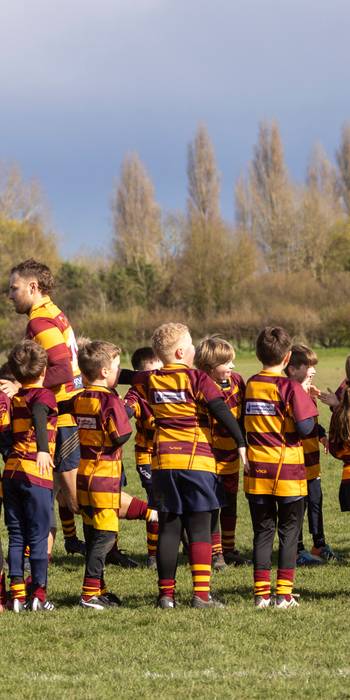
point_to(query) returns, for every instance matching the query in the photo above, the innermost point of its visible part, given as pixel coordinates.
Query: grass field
(238, 652)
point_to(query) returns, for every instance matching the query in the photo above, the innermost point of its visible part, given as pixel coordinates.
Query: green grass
(138, 651)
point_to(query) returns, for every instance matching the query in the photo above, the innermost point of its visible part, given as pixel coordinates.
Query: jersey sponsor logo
(260, 408)
(169, 397)
(78, 382)
(86, 422)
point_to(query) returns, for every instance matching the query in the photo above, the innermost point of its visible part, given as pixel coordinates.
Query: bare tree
(136, 217)
(343, 161)
(203, 179)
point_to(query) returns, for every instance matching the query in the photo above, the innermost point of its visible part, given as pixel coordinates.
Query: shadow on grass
(68, 562)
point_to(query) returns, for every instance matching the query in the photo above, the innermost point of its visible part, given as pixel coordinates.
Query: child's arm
(223, 415)
(119, 428)
(126, 376)
(322, 436)
(40, 412)
(329, 397)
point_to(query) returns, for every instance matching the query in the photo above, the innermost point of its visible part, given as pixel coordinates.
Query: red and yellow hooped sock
(199, 555)
(262, 582)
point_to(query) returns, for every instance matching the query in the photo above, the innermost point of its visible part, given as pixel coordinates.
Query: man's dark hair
(142, 355)
(27, 360)
(32, 268)
(272, 345)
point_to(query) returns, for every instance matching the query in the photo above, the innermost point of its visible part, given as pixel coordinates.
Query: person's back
(178, 396)
(273, 403)
(103, 427)
(278, 413)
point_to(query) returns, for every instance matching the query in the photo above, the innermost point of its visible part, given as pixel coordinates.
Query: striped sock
(67, 522)
(200, 560)
(228, 530)
(284, 583)
(39, 592)
(91, 587)
(18, 589)
(166, 587)
(262, 582)
(216, 546)
(137, 509)
(103, 586)
(2, 589)
(152, 538)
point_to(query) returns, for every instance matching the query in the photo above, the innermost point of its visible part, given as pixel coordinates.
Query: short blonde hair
(166, 337)
(213, 351)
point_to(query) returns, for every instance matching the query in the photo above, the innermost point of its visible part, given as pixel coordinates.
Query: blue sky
(84, 83)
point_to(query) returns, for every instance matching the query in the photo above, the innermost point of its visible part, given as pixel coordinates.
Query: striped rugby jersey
(50, 328)
(311, 447)
(178, 398)
(276, 459)
(225, 448)
(21, 463)
(101, 418)
(340, 450)
(5, 425)
(144, 425)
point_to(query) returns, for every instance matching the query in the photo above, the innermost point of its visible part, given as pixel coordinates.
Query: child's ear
(287, 358)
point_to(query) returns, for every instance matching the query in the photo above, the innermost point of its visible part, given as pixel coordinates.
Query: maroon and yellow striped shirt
(101, 418)
(311, 447)
(5, 424)
(339, 450)
(21, 463)
(273, 403)
(225, 448)
(144, 425)
(50, 328)
(178, 398)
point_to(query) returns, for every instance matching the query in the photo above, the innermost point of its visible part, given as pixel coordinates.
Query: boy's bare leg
(68, 484)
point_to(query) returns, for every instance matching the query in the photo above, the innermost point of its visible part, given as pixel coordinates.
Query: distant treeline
(285, 260)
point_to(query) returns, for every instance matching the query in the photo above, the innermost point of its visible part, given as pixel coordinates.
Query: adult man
(30, 285)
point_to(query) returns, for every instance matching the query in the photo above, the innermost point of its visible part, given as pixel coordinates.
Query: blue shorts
(145, 473)
(186, 491)
(123, 479)
(67, 452)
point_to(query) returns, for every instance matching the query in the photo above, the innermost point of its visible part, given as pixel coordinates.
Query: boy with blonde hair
(186, 489)
(215, 355)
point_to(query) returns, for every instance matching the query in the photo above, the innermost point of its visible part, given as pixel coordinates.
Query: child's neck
(99, 381)
(276, 369)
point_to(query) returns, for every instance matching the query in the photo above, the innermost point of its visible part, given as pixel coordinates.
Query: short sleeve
(301, 404)
(117, 419)
(44, 396)
(206, 389)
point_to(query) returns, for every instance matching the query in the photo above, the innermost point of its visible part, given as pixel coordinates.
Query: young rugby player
(5, 446)
(339, 435)
(301, 368)
(278, 414)
(28, 475)
(103, 427)
(31, 283)
(215, 356)
(186, 489)
(144, 359)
